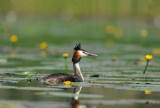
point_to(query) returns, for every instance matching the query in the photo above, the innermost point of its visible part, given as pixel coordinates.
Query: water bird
(55, 79)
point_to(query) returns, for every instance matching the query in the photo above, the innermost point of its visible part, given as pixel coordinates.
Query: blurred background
(36, 35)
(71, 21)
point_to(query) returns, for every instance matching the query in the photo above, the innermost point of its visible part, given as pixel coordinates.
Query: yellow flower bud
(156, 51)
(67, 82)
(114, 58)
(110, 29)
(144, 33)
(148, 57)
(43, 45)
(65, 55)
(14, 38)
(118, 33)
(147, 92)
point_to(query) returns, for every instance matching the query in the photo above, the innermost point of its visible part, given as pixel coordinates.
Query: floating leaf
(95, 75)
(3, 61)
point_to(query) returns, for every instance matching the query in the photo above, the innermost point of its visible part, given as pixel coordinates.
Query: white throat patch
(82, 54)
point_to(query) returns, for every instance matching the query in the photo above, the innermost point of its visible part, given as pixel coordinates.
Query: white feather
(82, 54)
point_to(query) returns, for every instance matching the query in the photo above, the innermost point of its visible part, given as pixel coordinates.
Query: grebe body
(56, 78)
(61, 77)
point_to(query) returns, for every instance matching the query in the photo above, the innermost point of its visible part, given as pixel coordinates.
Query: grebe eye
(84, 52)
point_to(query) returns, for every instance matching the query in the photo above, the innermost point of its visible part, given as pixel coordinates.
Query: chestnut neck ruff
(76, 59)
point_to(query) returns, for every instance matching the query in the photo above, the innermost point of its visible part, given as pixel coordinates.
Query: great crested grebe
(56, 78)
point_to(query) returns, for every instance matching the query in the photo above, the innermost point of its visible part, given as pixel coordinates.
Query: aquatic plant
(95, 75)
(30, 74)
(148, 58)
(110, 29)
(118, 32)
(114, 58)
(43, 45)
(13, 40)
(144, 33)
(147, 92)
(65, 56)
(156, 51)
(67, 82)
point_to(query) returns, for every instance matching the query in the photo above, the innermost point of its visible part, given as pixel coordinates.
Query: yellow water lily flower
(147, 92)
(110, 29)
(144, 33)
(43, 45)
(148, 57)
(118, 32)
(156, 51)
(65, 55)
(14, 38)
(114, 58)
(67, 82)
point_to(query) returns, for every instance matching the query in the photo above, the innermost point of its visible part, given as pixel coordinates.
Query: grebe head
(78, 53)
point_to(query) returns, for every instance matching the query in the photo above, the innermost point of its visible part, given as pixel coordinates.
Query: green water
(121, 83)
(120, 64)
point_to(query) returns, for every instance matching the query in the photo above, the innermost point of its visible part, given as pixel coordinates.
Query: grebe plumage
(56, 78)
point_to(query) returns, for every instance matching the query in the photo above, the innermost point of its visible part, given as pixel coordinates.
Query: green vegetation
(95, 75)
(37, 35)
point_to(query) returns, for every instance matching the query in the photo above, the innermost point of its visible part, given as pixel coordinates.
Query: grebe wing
(61, 77)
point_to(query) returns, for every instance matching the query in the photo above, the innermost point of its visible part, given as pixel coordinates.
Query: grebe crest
(55, 79)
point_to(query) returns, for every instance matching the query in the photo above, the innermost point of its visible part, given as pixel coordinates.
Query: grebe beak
(85, 53)
(89, 54)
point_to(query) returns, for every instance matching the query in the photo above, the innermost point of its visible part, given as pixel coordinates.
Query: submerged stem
(29, 78)
(146, 67)
(13, 46)
(66, 65)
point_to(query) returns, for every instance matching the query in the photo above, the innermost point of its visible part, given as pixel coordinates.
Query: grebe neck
(77, 70)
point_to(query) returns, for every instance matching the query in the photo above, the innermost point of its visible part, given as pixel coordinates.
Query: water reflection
(43, 53)
(13, 53)
(53, 83)
(75, 100)
(75, 103)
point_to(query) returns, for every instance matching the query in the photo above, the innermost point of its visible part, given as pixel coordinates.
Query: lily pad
(3, 60)
(95, 75)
